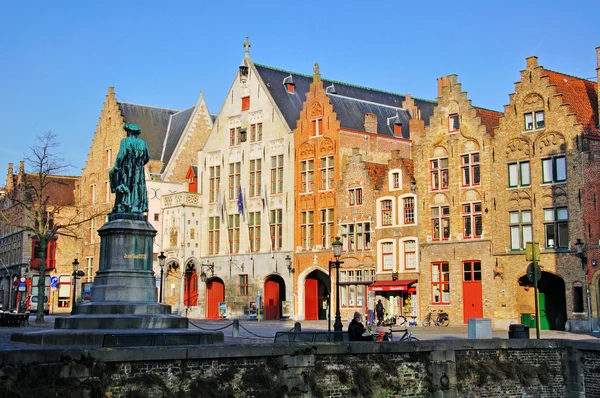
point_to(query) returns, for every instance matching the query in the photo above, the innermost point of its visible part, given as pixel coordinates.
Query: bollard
(297, 327)
(236, 328)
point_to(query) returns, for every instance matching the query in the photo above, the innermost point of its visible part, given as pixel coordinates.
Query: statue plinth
(124, 294)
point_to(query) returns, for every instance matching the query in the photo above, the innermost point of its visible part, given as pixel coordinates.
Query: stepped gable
(290, 104)
(489, 118)
(153, 122)
(377, 173)
(58, 189)
(176, 127)
(581, 95)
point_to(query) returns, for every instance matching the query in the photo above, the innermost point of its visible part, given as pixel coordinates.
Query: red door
(472, 300)
(190, 292)
(215, 293)
(311, 299)
(272, 302)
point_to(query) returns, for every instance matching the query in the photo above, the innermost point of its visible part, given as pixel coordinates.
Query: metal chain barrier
(254, 334)
(211, 330)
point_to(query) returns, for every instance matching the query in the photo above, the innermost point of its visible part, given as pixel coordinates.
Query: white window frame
(534, 120)
(379, 220)
(401, 217)
(394, 255)
(393, 175)
(519, 229)
(402, 243)
(327, 173)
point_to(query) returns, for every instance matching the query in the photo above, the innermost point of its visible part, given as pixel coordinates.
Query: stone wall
(484, 368)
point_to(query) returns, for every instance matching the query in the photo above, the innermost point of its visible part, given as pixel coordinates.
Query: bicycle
(439, 319)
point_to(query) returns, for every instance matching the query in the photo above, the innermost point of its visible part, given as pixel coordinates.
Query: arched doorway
(190, 292)
(215, 294)
(316, 294)
(274, 295)
(551, 301)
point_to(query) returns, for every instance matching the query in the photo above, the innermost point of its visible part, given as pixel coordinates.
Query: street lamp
(288, 262)
(161, 263)
(581, 254)
(210, 266)
(337, 253)
(77, 273)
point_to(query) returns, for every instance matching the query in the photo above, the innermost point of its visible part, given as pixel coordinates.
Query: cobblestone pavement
(253, 332)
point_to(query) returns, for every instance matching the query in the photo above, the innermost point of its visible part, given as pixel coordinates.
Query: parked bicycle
(439, 318)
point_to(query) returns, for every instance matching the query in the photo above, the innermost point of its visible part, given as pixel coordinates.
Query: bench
(311, 337)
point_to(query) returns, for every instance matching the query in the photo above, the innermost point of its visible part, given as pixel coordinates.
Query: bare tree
(32, 208)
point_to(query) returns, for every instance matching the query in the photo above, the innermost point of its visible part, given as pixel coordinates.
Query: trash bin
(518, 331)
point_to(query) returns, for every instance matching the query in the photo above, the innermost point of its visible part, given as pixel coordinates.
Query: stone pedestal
(124, 294)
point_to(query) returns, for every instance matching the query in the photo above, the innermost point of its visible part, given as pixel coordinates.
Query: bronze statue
(127, 179)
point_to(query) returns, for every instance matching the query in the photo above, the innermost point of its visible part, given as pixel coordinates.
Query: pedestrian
(379, 311)
(356, 329)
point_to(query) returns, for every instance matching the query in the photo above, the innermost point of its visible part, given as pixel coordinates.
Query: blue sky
(57, 58)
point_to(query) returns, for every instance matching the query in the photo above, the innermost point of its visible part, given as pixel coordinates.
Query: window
(64, 291)
(290, 87)
(396, 180)
(234, 136)
(520, 229)
(327, 172)
(234, 178)
(317, 127)
(92, 230)
(471, 271)
(254, 230)
(556, 226)
(472, 226)
(398, 129)
(578, 297)
(534, 120)
(106, 192)
(308, 176)
(256, 132)
(255, 177)
(470, 170)
(245, 103)
(213, 235)
(356, 236)
(277, 174)
(409, 210)
(352, 296)
(89, 268)
(214, 183)
(93, 194)
(440, 220)
(440, 283)
(156, 216)
(355, 196)
(410, 254)
(453, 123)
(234, 233)
(387, 256)
(326, 227)
(243, 284)
(386, 212)
(108, 154)
(306, 229)
(439, 174)
(276, 225)
(554, 170)
(519, 174)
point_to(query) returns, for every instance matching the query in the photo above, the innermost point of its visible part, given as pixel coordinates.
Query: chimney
(598, 82)
(21, 175)
(442, 82)
(10, 182)
(532, 62)
(371, 123)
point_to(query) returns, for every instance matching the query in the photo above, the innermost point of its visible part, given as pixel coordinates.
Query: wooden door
(311, 299)
(544, 324)
(472, 305)
(272, 301)
(215, 293)
(190, 292)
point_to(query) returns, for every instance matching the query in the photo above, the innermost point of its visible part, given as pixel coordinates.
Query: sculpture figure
(127, 178)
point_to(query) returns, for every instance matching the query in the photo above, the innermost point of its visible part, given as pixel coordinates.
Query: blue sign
(54, 281)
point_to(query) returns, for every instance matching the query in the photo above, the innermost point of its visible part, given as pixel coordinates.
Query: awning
(391, 286)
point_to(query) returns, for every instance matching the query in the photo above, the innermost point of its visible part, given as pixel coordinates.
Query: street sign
(534, 269)
(23, 279)
(54, 280)
(532, 251)
(16, 283)
(22, 287)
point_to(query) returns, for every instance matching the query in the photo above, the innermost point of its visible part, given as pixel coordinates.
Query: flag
(240, 202)
(219, 206)
(265, 200)
(223, 210)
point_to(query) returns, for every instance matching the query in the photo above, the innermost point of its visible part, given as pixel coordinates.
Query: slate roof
(582, 97)
(176, 126)
(377, 173)
(488, 118)
(290, 104)
(153, 122)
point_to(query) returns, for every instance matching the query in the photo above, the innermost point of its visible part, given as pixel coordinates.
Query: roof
(176, 126)
(489, 118)
(153, 122)
(582, 97)
(377, 173)
(290, 104)
(58, 189)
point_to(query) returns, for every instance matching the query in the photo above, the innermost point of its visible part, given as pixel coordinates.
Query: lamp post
(210, 266)
(161, 263)
(337, 253)
(579, 245)
(288, 262)
(76, 273)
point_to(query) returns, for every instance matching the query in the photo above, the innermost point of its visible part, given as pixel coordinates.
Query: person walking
(379, 311)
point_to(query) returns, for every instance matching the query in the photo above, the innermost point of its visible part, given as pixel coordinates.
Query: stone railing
(181, 199)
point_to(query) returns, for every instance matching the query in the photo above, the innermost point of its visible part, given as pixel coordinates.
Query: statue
(127, 179)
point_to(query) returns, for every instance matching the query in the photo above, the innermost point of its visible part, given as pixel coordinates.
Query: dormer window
(534, 120)
(290, 87)
(453, 123)
(245, 103)
(398, 129)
